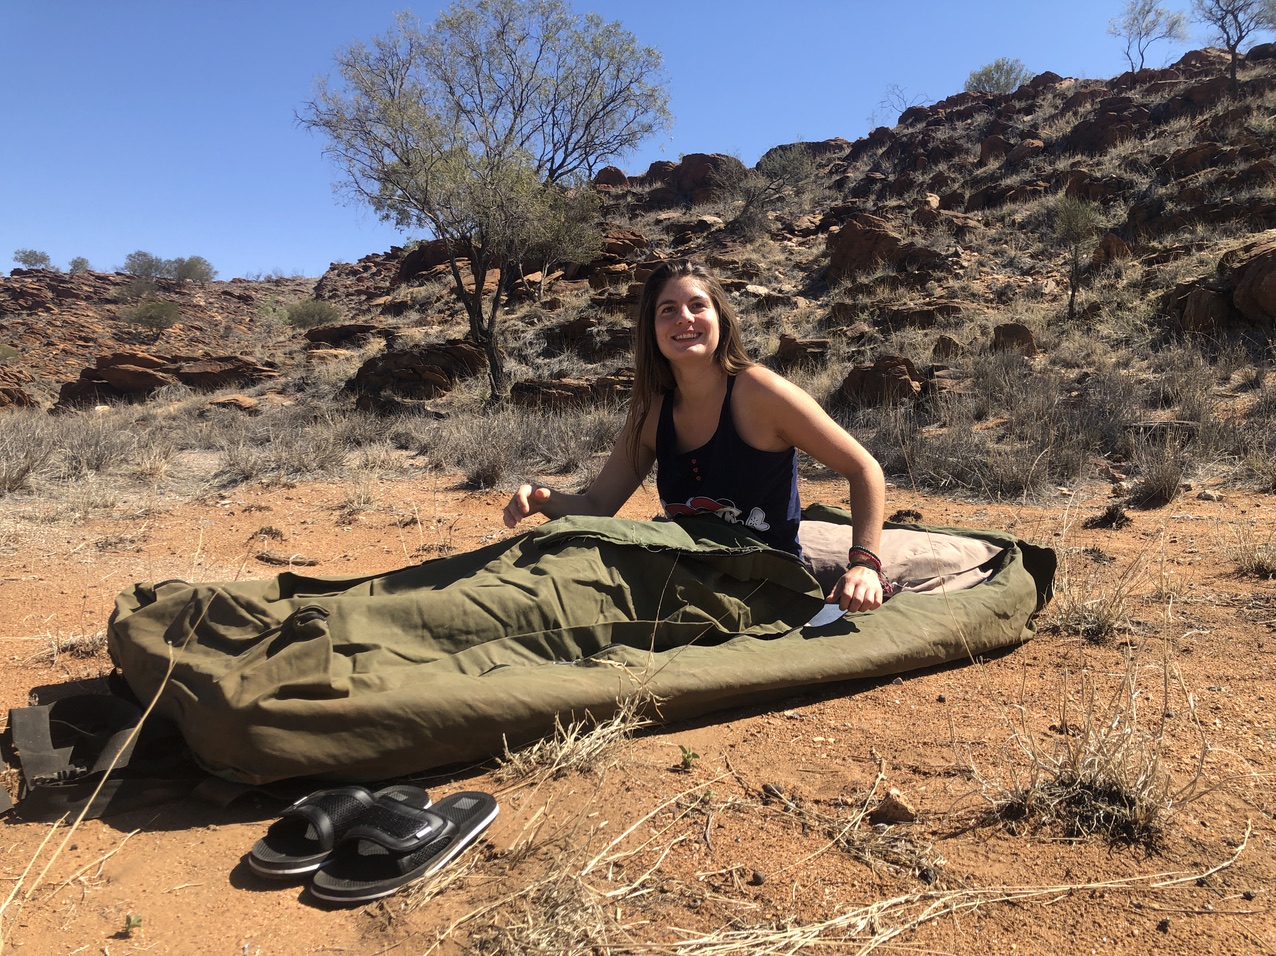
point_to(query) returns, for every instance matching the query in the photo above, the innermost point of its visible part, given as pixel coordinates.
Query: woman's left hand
(860, 589)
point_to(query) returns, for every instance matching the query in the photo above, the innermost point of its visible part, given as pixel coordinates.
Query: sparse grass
(1101, 767)
(78, 646)
(584, 746)
(1252, 552)
(27, 446)
(1094, 600)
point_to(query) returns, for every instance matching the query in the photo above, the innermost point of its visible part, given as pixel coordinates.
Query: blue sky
(168, 125)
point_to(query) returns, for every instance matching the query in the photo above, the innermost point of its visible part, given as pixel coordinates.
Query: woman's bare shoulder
(757, 383)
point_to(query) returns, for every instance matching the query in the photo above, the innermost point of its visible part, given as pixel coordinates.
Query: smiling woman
(723, 434)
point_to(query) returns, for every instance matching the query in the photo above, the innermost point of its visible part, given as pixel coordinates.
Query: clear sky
(169, 125)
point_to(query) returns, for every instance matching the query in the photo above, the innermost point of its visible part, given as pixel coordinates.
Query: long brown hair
(653, 375)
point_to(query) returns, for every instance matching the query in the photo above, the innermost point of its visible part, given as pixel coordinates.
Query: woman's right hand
(528, 500)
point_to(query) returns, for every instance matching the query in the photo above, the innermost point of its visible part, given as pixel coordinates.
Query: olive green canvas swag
(366, 678)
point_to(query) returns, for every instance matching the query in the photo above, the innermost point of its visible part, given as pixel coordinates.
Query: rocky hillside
(943, 219)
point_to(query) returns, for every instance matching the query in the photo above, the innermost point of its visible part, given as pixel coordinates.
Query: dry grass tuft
(1093, 600)
(79, 646)
(583, 746)
(1101, 768)
(1253, 554)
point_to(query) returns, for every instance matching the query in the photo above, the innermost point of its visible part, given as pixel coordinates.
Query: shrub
(79, 264)
(1002, 75)
(309, 313)
(1162, 465)
(153, 315)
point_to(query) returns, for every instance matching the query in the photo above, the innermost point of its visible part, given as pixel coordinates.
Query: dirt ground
(761, 844)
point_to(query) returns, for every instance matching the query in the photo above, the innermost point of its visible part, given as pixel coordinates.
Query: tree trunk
(491, 340)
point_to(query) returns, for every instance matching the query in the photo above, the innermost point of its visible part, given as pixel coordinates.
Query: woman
(724, 432)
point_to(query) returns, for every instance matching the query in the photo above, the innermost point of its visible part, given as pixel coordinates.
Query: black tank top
(729, 478)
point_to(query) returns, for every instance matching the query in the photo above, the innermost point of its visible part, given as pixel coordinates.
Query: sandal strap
(397, 827)
(331, 813)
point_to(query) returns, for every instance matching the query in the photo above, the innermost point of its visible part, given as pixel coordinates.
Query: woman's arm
(780, 414)
(615, 484)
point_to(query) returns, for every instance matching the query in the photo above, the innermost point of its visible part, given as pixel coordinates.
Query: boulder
(1251, 272)
(422, 257)
(623, 241)
(223, 371)
(866, 242)
(890, 379)
(611, 177)
(12, 396)
(417, 372)
(1025, 151)
(793, 352)
(1111, 248)
(1014, 337)
(340, 333)
(568, 392)
(697, 177)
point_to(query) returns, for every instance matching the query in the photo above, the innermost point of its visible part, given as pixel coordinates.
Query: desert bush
(32, 259)
(1161, 463)
(153, 315)
(7, 352)
(192, 269)
(309, 313)
(90, 444)
(136, 289)
(28, 443)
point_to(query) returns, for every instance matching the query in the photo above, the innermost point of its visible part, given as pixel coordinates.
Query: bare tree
(784, 174)
(461, 128)
(1144, 22)
(1233, 21)
(895, 102)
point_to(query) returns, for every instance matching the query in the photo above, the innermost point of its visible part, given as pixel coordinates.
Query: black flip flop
(395, 843)
(305, 834)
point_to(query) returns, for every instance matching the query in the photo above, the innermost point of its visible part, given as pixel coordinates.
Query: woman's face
(687, 324)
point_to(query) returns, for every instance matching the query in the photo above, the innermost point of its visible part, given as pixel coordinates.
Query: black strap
(66, 749)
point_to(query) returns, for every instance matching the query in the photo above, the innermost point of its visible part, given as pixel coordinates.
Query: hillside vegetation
(999, 295)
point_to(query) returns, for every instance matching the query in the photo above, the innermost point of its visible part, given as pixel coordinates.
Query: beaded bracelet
(869, 559)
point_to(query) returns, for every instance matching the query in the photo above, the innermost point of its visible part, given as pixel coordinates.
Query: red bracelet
(869, 559)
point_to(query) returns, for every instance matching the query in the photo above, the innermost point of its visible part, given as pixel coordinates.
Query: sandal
(395, 843)
(305, 834)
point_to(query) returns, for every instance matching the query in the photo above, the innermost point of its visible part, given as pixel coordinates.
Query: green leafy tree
(144, 265)
(192, 269)
(79, 264)
(1232, 22)
(565, 230)
(1144, 22)
(1075, 224)
(460, 128)
(1002, 75)
(32, 259)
